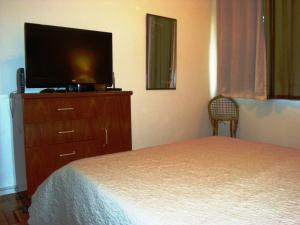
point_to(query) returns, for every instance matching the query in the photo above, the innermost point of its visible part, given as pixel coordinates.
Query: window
(258, 48)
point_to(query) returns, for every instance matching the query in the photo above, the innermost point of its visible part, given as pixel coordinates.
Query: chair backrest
(223, 108)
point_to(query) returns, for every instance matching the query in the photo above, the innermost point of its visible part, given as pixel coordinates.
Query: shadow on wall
(270, 121)
(8, 74)
(268, 107)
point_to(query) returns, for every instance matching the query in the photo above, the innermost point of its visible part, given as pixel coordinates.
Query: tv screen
(60, 56)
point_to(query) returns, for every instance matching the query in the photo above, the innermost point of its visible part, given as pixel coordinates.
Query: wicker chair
(223, 109)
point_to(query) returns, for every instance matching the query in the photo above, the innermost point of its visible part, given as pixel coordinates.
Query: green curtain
(283, 47)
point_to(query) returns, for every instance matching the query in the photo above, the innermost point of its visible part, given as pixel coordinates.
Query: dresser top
(74, 94)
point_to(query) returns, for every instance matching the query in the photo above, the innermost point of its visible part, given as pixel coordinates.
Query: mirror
(161, 52)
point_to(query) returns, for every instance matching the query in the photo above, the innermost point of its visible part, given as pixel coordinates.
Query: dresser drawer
(54, 109)
(42, 161)
(49, 133)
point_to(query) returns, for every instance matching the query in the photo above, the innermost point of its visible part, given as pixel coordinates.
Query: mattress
(209, 181)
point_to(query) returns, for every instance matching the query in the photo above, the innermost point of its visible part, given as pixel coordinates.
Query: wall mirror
(161, 52)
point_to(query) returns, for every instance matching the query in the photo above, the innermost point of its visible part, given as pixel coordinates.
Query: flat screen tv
(59, 56)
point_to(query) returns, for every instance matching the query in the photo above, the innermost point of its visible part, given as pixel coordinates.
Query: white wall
(157, 116)
(7, 177)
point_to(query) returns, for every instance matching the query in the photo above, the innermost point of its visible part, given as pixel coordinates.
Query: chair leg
(231, 128)
(235, 123)
(215, 127)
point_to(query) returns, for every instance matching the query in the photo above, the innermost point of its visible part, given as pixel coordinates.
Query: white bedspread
(211, 181)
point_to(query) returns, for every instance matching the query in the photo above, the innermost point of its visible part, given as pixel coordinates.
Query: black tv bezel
(30, 81)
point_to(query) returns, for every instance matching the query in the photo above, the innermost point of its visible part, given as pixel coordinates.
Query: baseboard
(8, 190)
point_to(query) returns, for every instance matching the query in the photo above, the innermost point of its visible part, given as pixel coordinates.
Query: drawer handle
(67, 154)
(66, 131)
(106, 136)
(65, 109)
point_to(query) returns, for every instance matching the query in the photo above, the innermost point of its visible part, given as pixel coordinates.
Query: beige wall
(157, 116)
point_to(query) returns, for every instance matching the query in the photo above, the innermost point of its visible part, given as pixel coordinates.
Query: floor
(12, 211)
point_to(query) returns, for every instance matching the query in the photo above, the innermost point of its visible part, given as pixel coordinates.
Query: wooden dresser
(56, 128)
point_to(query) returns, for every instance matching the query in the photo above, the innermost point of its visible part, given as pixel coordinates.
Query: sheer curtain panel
(241, 49)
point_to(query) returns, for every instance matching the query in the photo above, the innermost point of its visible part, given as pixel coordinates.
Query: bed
(211, 181)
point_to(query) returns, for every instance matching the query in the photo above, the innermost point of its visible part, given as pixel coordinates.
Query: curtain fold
(241, 49)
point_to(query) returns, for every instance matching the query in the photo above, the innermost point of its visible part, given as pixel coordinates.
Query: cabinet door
(117, 123)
